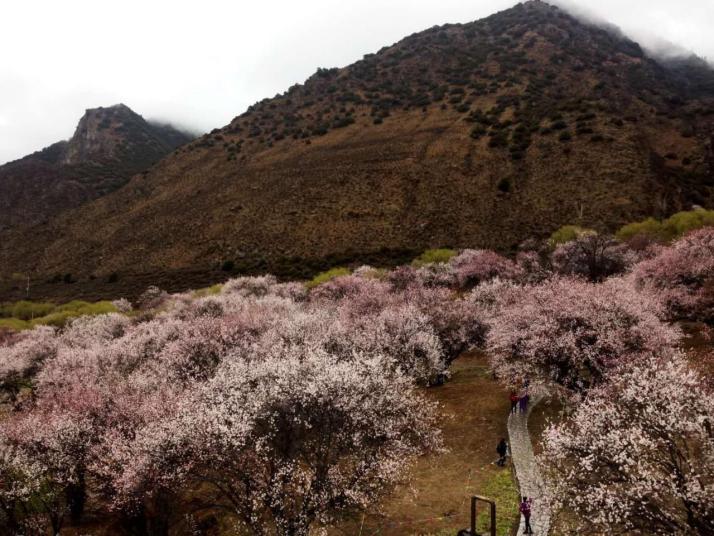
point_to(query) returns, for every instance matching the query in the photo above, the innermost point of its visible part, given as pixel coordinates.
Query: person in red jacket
(525, 509)
(514, 402)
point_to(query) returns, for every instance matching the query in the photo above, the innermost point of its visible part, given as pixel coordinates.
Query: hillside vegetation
(470, 135)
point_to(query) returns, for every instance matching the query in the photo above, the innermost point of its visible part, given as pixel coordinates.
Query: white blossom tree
(637, 456)
(289, 441)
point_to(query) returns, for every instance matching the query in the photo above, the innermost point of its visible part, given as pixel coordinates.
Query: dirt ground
(436, 501)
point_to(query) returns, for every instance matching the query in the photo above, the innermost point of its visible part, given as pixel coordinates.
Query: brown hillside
(476, 135)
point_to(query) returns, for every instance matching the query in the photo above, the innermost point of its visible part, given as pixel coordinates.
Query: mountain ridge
(108, 146)
(463, 135)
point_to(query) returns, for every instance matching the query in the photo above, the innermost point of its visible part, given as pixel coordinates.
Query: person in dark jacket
(523, 402)
(502, 450)
(525, 509)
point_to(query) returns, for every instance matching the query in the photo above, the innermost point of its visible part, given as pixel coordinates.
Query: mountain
(108, 147)
(464, 135)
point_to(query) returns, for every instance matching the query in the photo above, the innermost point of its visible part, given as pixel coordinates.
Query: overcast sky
(200, 64)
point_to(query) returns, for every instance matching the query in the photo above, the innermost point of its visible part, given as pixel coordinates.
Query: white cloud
(201, 64)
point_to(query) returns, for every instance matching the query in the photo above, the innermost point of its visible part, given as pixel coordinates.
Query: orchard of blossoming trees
(282, 408)
(637, 457)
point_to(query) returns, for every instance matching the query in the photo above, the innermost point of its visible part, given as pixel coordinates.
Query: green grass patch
(650, 228)
(502, 488)
(26, 310)
(681, 223)
(15, 324)
(324, 277)
(25, 314)
(207, 291)
(567, 233)
(431, 256)
(670, 229)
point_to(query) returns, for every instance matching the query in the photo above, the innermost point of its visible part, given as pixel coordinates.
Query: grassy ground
(437, 497)
(27, 315)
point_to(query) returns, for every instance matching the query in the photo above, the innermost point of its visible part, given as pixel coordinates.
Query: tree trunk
(160, 515)
(134, 523)
(77, 498)
(294, 528)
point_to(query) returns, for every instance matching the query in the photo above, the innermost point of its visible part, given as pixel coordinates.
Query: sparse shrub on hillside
(342, 122)
(498, 138)
(478, 132)
(637, 456)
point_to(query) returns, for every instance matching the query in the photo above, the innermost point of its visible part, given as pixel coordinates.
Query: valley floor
(435, 499)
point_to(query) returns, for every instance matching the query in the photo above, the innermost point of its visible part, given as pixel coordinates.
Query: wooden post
(492, 504)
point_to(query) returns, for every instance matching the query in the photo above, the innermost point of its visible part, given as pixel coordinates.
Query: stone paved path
(527, 472)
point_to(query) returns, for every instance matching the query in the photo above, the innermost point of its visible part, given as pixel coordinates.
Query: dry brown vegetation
(475, 135)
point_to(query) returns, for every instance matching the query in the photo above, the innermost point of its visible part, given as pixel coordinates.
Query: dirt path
(527, 472)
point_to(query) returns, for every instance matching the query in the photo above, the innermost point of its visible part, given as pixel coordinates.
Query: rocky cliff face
(108, 147)
(99, 134)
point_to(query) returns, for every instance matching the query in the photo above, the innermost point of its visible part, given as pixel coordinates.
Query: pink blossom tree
(23, 356)
(683, 276)
(473, 266)
(569, 332)
(637, 456)
(460, 323)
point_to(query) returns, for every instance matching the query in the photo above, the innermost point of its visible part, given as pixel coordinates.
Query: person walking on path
(525, 509)
(502, 450)
(523, 401)
(514, 402)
